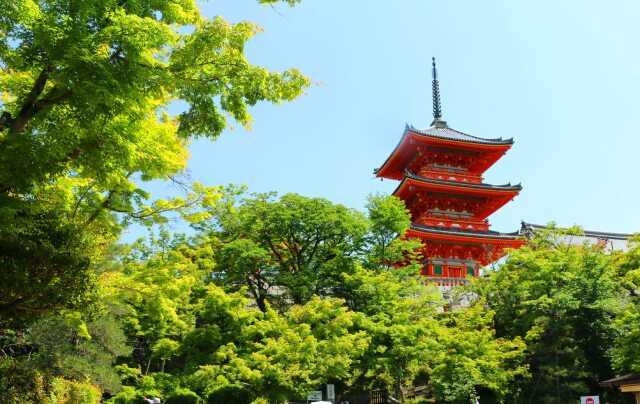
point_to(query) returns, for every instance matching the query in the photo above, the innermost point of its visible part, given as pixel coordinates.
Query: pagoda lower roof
(489, 234)
(504, 187)
(445, 132)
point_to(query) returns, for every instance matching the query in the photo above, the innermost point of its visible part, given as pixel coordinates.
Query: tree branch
(26, 112)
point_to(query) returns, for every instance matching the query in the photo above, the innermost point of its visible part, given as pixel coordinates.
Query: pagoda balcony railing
(445, 281)
(445, 175)
(429, 220)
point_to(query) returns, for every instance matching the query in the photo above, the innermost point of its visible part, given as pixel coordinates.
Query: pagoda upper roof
(440, 136)
(447, 231)
(483, 186)
(445, 132)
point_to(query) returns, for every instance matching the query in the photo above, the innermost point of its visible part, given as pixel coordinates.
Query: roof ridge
(433, 127)
(586, 232)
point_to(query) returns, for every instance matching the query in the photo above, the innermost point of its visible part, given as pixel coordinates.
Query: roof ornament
(437, 108)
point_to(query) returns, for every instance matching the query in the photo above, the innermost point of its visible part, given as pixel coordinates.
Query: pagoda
(440, 172)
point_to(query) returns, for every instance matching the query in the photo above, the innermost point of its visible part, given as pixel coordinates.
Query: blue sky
(560, 77)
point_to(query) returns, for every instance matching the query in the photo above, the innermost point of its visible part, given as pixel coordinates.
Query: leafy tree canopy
(85, 88)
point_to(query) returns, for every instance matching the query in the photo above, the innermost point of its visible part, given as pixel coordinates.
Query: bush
(128, 395)
(230, 394)
(22, 384)
(183, 396)
(67, 391)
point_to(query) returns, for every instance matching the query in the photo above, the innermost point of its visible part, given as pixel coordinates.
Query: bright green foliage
(456, 354)
(240, 351)
(471, 362)
(70, 348)
(563, 301)
(84, 92)
(41, 388)
(84, 85)
(626, 350)
(223, 325)
(389, 220)
(156, 289)
(401, 322)
(312, 344)
(90, 358)
(297, 244)
(44, 264)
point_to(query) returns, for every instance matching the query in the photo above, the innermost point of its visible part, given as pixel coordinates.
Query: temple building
(440, 172)
(607, 241)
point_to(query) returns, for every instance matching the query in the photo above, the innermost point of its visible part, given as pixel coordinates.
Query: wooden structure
(440, 172)
(627, 384)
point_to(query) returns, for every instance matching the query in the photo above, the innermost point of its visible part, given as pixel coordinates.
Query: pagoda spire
(437, 108)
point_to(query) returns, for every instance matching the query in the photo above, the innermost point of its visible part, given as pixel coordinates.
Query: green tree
(471, 361)
(84, 92)
(46, 359)
(84, 85)
(401, 321)
(289, 249)
(626, 349)
(45, 264)
(389, 220)
(562, 300)
(157, 284)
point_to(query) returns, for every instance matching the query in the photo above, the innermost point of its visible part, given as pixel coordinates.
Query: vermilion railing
(462, 224)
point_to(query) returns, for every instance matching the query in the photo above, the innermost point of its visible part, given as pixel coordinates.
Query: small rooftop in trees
(609, 241)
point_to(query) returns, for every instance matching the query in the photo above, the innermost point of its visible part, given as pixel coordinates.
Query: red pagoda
(440, 170)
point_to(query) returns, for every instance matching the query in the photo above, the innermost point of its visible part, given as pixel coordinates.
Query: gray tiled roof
(448, 133)
(516, 187)
(631, 378)
(460, 232)
(614, 241)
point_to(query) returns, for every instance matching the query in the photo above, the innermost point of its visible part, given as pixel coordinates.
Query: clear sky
(560, 77)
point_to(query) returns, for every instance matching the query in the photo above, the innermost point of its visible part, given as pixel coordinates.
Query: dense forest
(268, 297)
(275, 296)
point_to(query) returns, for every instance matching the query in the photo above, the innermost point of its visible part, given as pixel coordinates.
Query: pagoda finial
(437, 108)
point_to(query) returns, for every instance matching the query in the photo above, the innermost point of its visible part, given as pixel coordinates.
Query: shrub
(183, 396)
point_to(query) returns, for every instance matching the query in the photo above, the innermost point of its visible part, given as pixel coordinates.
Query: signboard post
(331, 392)
(590, 400)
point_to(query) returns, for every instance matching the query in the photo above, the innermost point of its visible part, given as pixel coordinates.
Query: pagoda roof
(439, 136)
(489, 234)
(483, 186)
(495, 196)
(445, 132)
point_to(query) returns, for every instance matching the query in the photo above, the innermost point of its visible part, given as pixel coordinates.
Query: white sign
(590, 400)
(331, 392)
(314, 395)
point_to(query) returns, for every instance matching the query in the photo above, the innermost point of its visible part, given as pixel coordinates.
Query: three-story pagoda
(441, 170)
